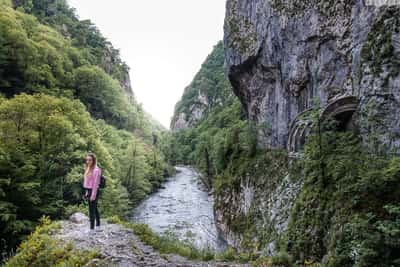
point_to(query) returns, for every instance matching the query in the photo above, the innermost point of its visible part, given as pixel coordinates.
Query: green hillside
(64, 92)
(222, 134)
(336, 198)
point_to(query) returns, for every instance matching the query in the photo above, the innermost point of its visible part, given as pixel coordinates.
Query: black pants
(93, 210)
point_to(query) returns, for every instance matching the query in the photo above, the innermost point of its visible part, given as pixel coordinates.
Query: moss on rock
(329, 8)
(378, 50)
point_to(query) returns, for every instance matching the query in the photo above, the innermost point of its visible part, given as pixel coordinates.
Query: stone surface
(195, 112)
(273, 202)
(282, 55)
(288, 56)
(121, 246)
(79, 218)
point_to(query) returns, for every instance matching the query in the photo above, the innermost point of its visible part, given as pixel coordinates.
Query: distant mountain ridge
(210, 88)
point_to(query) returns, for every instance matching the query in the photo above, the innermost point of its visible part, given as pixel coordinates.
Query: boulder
(78, 217)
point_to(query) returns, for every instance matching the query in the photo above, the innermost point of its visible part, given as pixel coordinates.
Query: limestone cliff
(287, 57)
(284, 56)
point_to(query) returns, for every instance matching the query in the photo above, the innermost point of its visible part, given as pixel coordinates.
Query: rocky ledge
(120, 245)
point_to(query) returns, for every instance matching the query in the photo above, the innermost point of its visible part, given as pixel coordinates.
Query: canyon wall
(285, 56)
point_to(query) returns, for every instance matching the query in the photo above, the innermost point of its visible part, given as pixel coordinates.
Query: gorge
(318, 82)
(292, 123)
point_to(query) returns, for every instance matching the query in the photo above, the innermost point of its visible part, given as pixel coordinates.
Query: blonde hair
(89, 169)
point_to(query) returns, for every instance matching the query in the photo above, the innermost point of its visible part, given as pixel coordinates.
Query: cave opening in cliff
(339, 110)
(342, 111)
(344, 121)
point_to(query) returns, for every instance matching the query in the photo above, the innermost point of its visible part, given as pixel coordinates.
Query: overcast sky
(163, 42)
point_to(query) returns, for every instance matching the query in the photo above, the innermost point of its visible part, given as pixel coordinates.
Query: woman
(91, 185)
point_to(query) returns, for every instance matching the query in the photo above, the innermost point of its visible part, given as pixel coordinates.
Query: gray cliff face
(188, 118)
(256, 205)
(282, 55)
(285, 57)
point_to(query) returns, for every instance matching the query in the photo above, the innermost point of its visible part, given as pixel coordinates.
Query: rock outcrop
(273, 207)
(285, 56)
(186, 119)
(120, 246)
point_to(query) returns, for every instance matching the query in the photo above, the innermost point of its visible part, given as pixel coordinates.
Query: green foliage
(38, 59)
(83, 34)
(378, 50)
(40, 249)
(282, 259)
(210, 82)
(7, 3)
(69, 68)
(219, 139)
(105, 98)
(139, 166)
(348, 207)
(43, 142)
(170, 244)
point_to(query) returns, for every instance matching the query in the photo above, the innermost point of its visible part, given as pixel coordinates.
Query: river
(184, 208)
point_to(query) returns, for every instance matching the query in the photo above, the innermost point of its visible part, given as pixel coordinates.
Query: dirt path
(121, 246)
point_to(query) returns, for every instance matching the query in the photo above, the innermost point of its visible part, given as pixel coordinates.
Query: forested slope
(335, 202)
(209, 89)
(215, 132)
(65, 91)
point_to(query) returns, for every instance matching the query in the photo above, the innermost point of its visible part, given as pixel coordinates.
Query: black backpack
(102, 181)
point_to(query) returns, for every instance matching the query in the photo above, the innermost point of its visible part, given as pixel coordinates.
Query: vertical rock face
(184, 119)
(283, 56)
(271, 202)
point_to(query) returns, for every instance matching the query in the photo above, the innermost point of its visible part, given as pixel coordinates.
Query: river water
(184, 208)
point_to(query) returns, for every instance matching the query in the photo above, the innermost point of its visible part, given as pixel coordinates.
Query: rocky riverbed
(184, 208)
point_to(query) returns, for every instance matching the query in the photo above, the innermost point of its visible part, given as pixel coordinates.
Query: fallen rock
(79, 218)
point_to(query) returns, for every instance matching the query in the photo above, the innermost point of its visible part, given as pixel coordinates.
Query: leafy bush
(40, 249)
(282, 259)
(68, 68)
(38, 59)
(43, 142)
(348, 207)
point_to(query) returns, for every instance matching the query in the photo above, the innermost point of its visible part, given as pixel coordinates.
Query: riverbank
(71, 243)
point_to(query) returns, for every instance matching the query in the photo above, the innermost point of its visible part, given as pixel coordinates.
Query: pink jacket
(92, 181)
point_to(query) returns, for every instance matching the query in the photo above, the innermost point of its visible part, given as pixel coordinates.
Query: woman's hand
(92, 198)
